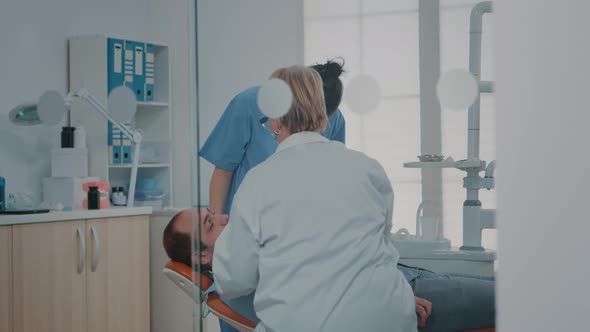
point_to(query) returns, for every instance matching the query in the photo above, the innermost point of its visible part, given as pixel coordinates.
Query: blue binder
(126, 156)
(109, 133)
(115, 62)
(117, 150)
(115, 74)
(129, 64)
(149, 72)
(139, 70)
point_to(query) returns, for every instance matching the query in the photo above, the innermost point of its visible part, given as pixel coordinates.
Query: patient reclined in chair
(188, 280)
(458, 303)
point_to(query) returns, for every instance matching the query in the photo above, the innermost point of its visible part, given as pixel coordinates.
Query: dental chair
(183, 276)
(188, 280)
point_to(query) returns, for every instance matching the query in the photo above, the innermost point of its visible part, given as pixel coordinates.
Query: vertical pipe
(196, 169)
(475, 27)
(472, 205)
(430, 117)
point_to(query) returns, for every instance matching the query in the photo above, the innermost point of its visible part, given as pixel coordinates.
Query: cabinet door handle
(82, 259)
(96, 240)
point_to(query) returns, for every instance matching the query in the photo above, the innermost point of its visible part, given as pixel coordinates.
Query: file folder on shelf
(115, 63)
(129, 63)
(116, 142)
(126, 156)
(139, 70)
(149, 72)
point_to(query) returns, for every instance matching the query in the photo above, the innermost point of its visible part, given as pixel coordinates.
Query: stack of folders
(130, 63)
(120, 150)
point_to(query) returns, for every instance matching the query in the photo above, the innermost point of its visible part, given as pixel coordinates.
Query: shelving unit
(151, 104)
(88, 68)
(140, 166)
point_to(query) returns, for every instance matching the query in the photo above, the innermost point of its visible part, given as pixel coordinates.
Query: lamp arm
(135, 136)
(133, 180)
(85, 95)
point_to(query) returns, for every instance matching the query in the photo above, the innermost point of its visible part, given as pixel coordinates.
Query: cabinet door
(49, 276)
(118, 274)
(5, 279)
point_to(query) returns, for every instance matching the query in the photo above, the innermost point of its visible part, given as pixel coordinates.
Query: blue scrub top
(239, 142)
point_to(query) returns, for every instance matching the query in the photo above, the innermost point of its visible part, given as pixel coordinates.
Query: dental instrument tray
(461, 164)
(431, 158)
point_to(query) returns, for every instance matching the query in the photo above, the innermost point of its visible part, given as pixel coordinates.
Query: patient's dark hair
(178, 245)
(330, 73)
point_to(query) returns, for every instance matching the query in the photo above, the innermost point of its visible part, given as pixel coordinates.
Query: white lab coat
(309, 230)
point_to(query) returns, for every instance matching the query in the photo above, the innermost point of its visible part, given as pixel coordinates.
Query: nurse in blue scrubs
(240, 141)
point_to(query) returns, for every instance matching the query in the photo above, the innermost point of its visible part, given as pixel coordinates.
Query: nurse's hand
(423, 310)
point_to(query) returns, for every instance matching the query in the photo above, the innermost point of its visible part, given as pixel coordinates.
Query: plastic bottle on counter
(93, 198)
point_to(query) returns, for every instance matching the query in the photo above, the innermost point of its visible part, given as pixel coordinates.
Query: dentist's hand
(217, 219)
(423, 310)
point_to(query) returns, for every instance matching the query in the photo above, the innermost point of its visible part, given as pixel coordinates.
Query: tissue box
(67, 191)
(69, 162)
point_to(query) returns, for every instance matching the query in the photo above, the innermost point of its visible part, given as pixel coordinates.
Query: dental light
(51, 108)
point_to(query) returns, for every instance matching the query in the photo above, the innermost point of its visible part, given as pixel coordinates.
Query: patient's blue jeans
(225, 327)
(458, 302)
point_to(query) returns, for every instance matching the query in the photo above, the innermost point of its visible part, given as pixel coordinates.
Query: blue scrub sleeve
(339, 132)
(226, 145)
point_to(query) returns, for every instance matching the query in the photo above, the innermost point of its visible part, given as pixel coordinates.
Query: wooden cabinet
(5, 279)
(84, 275)
(49, 279)
(118, 275)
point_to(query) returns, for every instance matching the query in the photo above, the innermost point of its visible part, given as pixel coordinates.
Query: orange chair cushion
(187, 272)
(213, 300)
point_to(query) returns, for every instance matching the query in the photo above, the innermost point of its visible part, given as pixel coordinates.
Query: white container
(80, 137)
(154, 152)
(65, 190)
(429, 228)
(69, 162)
(156, 204)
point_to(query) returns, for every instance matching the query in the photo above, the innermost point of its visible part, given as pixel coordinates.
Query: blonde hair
(308, 109)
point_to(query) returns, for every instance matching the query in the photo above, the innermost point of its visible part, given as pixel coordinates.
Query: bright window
(380, 38)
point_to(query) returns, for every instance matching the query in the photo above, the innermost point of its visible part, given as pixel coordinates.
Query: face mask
(266, 125)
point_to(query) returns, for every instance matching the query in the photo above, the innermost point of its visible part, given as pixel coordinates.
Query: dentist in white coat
(309, 231)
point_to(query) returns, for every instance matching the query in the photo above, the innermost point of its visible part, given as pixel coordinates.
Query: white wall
(542, 72)
(240, 43)
(33, 34)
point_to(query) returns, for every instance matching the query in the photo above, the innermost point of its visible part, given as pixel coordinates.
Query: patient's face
(210, 226)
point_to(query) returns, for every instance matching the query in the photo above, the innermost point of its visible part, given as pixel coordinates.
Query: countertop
(73, 215)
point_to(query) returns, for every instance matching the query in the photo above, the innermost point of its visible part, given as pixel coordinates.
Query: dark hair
(330, 73)
(178, 245)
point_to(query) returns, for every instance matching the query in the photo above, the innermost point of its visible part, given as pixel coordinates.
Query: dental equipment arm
(135, 136)
(474, 217)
